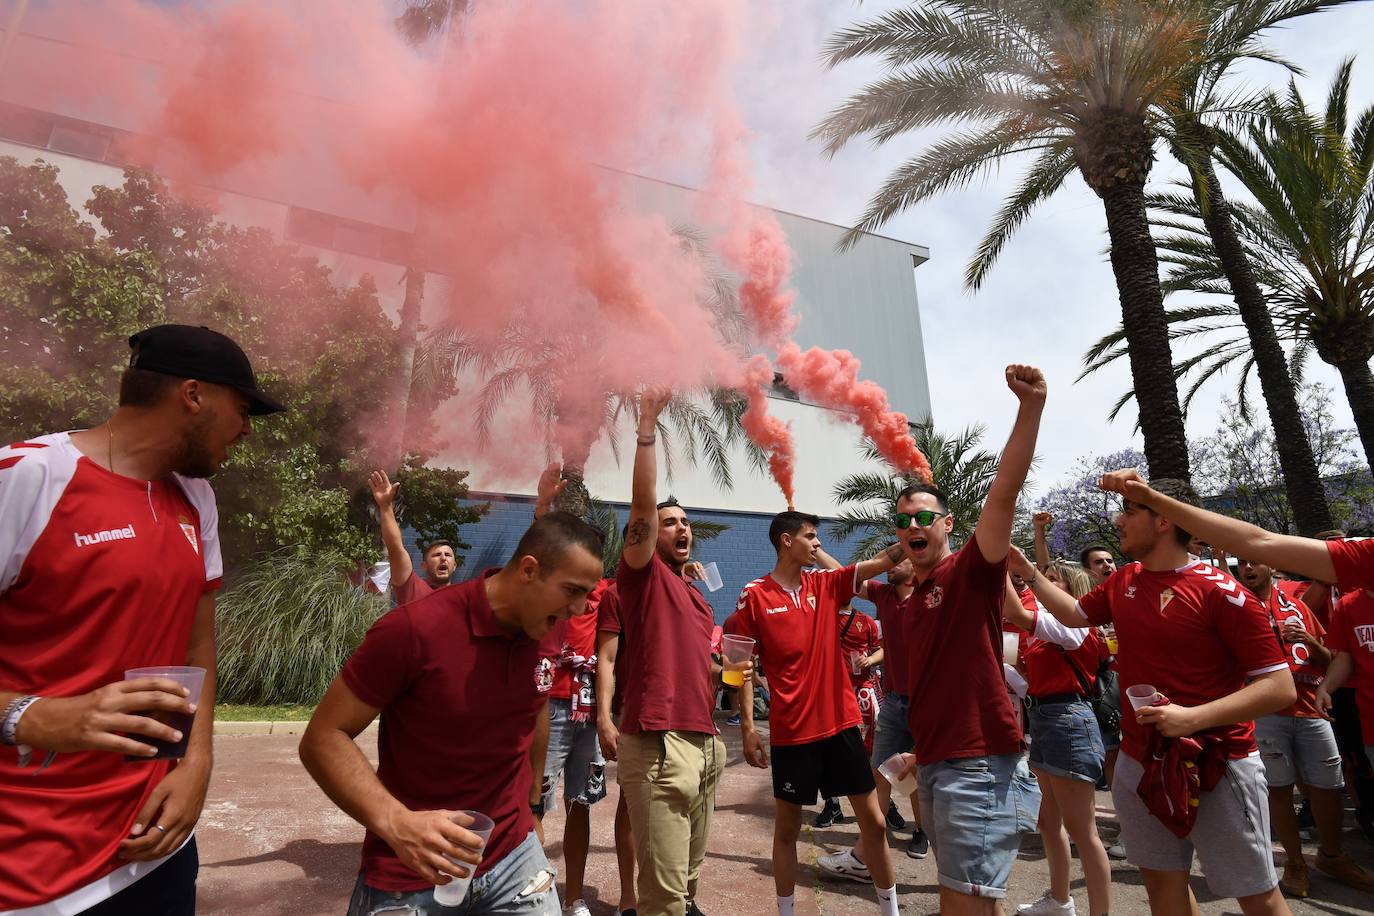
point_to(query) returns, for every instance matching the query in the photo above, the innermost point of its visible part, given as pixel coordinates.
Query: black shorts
(832, 766)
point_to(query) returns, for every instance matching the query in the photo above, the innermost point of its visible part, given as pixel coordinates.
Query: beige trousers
(669, 782)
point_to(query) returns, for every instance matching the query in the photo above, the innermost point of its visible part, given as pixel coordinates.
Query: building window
(75, 137)
(24, 125)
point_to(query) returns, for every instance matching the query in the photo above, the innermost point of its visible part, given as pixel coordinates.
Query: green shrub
(285, 627)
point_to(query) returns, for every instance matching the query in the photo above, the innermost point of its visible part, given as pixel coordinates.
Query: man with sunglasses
(976, 793)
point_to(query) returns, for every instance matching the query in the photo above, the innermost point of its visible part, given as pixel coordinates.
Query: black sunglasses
(924, 519)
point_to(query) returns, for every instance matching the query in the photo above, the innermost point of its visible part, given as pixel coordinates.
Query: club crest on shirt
(1130, 591)
(189, 530)
(935, 596)
(1164, 598)
(543, 675)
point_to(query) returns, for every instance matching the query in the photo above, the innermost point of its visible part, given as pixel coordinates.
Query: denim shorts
(975, 811)
(575, 754)
(521, 884)
(892, 734)
(1290, 745)
(1066, 741)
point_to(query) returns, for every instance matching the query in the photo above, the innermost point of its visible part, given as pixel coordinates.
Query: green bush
(285, 627)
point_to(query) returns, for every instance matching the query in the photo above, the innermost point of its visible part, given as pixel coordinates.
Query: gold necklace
(109, 444)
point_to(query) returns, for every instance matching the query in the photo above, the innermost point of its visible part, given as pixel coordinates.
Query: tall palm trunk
(575, 429)
(407, 331)
(1114, 154)
(1301, 479)
(1359, 392)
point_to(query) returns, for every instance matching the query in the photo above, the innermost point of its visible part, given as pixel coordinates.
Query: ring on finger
(160, 827)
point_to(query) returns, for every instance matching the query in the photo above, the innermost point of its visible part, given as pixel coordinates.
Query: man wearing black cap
(109, 558)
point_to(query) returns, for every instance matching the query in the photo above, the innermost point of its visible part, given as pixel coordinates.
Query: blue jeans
(1066, 741)
(975, 810)
(521, 884)
(891, 735)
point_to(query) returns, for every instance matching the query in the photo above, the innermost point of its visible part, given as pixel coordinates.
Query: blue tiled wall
(742, 552)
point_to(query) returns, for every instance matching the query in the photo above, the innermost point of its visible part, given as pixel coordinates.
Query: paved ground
(271, 844)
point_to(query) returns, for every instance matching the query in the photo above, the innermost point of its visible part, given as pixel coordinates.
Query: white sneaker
(577, 908)
(845, 865)
(1116, 851)
(1047, 906)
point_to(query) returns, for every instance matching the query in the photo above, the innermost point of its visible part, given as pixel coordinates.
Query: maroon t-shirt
(664, 670)
(608, 621)
(458, 697)
(892, 611)
(960, 706)
(412, 588)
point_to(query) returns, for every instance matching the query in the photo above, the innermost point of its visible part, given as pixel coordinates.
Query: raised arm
(642, 536)
(1014, 611)
(1306, 556)
(1058, 602)
(864, 570)
(993, 533)
(550, 487)
(384, 495)
(1042, 522)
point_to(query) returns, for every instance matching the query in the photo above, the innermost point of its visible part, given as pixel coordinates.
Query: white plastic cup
(894, 765)
(1141, 695)
(710, 574)
(855, 658)
(193, 679)
(1010, 644)
(456, 891)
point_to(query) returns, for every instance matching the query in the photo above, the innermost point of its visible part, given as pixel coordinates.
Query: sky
(1051, 295)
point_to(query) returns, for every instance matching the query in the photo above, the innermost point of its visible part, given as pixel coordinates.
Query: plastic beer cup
(736, 649)
(891, 767)
(190, 678)
(1010, 643)
(1141, 695)
(710, 575)
(456, 891)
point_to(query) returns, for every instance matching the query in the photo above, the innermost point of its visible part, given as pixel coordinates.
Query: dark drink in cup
(166, 750)
(190, 678)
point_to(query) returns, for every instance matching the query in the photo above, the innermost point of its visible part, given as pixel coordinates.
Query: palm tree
(1310, 240)
(1078, 84)
(959, 465)
(1233, 33)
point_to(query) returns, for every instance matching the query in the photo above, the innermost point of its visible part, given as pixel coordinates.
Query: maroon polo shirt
(664, 660)
(892, 612)
(458, 697)
(953, 629)
(411, 589)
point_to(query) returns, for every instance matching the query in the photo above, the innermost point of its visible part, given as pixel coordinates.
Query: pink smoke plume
(831, 377)
(768, 432)
(486, 142)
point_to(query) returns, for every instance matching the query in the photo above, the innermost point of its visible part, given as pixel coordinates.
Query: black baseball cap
(202, 354)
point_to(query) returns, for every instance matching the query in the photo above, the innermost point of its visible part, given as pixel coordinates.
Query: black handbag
(1104, 696)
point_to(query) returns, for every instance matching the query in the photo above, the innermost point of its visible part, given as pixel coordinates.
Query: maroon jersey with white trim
(1195, 633)
(98, 573)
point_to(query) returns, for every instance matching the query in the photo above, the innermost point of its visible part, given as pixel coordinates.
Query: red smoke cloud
(831, 377)
(768, 432)
(490, 146)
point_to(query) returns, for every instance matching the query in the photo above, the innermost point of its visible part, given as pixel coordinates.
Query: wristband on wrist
(9, 728)
(647, 440)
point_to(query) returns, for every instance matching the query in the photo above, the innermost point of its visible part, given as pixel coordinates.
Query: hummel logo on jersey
(1365, 636)
(100, 537)
(777, 610)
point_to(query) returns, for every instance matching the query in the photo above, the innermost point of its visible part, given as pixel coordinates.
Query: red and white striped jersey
(98, 573)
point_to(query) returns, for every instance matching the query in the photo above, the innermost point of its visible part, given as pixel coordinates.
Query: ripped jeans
(521, 884)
